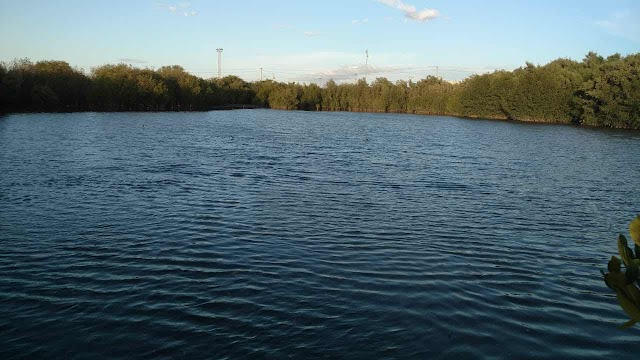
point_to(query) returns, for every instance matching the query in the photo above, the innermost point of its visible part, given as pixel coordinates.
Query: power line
(309, 74)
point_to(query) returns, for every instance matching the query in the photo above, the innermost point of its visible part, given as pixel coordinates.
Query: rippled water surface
(268, 234)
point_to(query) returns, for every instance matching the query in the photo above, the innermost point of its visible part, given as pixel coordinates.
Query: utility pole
(260, 74)
(219, 50)
(437, 71)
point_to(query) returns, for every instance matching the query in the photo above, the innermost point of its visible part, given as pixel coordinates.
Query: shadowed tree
(311, 97)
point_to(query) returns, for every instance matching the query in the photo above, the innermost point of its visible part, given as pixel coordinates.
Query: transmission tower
(366, 64)
(219, 50)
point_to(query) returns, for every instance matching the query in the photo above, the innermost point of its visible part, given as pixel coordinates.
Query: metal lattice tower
(366, 65)
(219, 50)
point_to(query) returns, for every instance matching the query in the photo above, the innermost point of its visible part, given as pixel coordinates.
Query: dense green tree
(429, 96)
(484, 96)
(43, 98)
(285, 97)
(611, 95)
(4, 90)
(262, 90)
(114, 87)
(236, 90)
(19, 82)
(597, 91)
(311, 98)
(359, 96)
(69, 85)
(184, 91)
(331, 97)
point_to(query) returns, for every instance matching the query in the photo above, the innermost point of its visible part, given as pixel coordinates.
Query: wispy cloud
(348, 73)
(410, 11)
(291, 28)
(283, 27)
(330, 64)
(132, 61)
(181, 8)
(359, 21)
(622, 24)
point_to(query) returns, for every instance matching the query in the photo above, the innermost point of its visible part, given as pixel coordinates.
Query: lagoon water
(270, 234)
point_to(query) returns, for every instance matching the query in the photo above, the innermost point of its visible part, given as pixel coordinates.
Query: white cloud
(132, 61)
(311, 33)
(346, 73)
(622, 24)
(181, 8)
(410, 11)
(326, 64)
(283, 27)
(359, 21)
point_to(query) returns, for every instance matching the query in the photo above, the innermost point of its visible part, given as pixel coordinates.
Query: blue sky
(316, 40)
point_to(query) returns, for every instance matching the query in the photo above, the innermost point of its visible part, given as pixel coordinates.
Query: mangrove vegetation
(596, 91)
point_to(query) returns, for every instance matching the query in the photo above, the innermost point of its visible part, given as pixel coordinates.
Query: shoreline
(257, 107)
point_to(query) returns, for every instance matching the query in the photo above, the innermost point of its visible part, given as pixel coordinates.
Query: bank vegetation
(596, 91)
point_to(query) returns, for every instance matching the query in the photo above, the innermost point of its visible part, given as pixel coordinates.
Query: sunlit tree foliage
(597, 91)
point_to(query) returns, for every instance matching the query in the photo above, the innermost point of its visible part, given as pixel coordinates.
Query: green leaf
(634, 230)
(628, 324)
(614, 264)
(615, 281)
(631, 274)
(633, 293)
(624, 250)
(628, 305)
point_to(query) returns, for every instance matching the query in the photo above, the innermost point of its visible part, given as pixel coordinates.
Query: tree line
(596, 91)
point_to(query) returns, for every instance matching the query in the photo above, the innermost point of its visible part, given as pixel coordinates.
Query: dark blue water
(267, 234)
